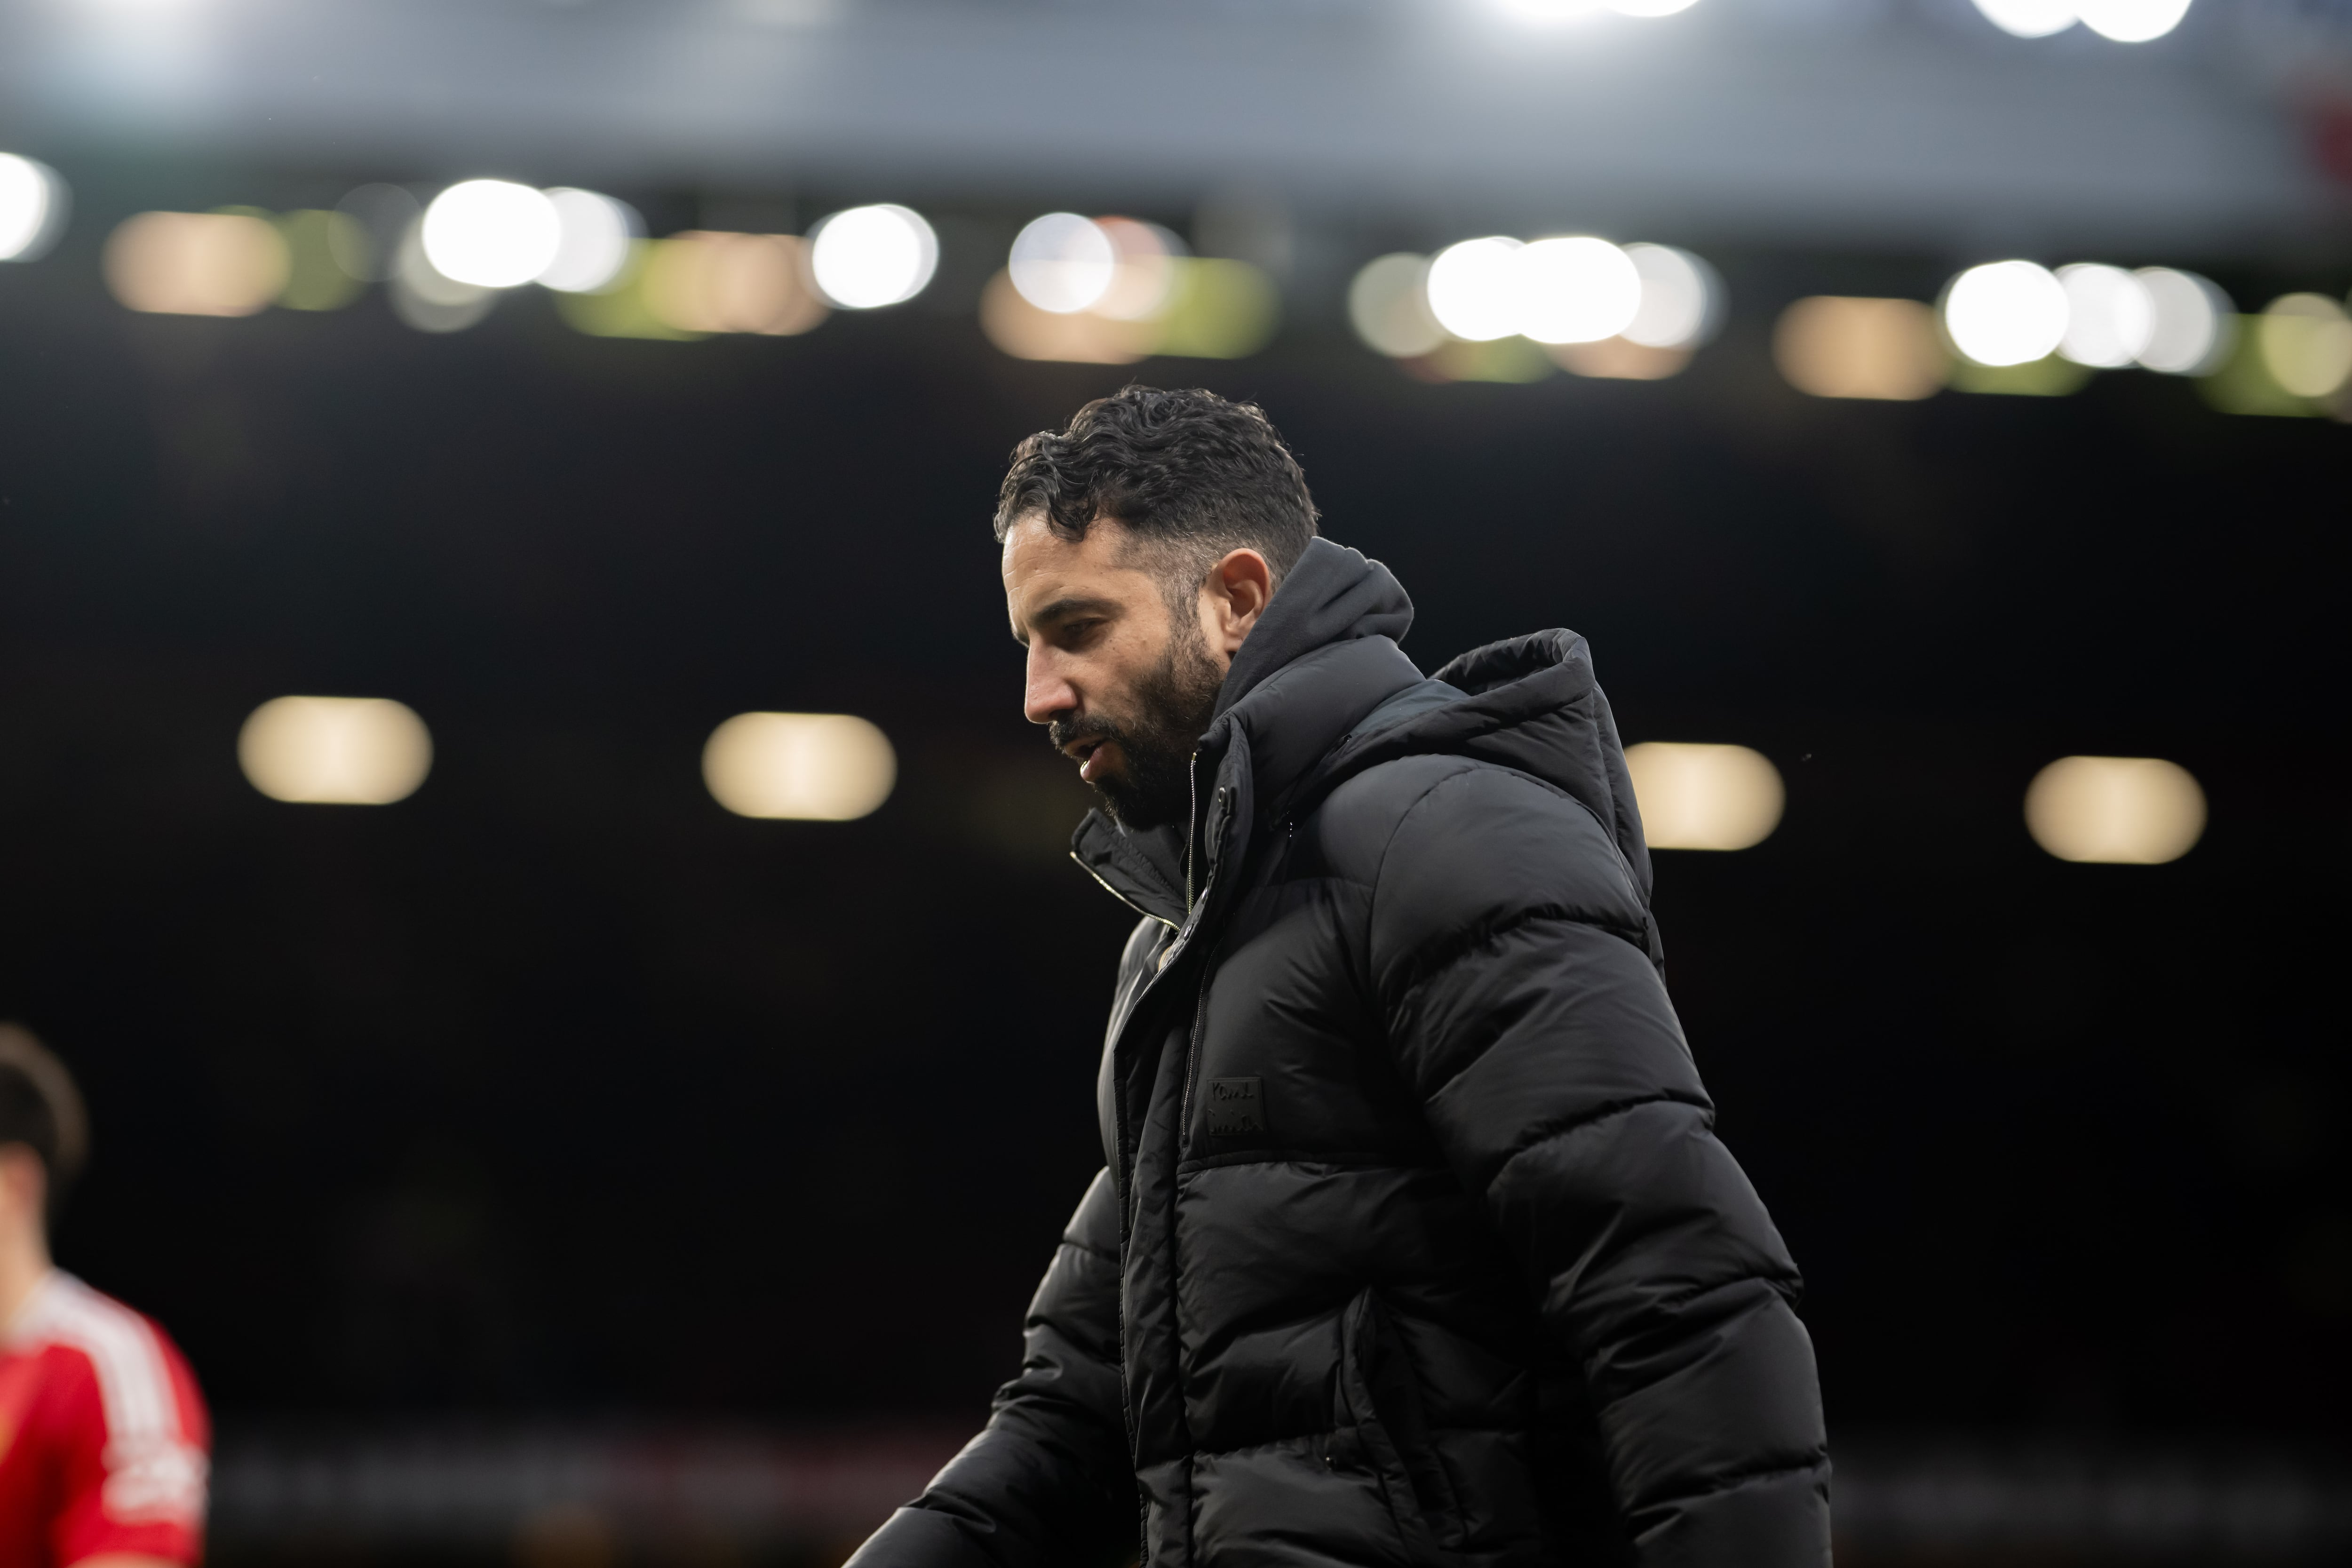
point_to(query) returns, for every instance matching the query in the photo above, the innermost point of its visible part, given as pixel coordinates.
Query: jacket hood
(1531, 703)
(1333, 595)
(1320, 691)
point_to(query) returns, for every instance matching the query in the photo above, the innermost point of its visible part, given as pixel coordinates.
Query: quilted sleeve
(1504, 947)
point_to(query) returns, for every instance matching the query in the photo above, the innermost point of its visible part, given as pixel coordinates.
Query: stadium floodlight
(1474, 288)
(2129, 811)
(1063, 263)
(32, 207)
(1682, 299)
(1575, 289)
(2109, 315)
(2192, 328)
(592, 244)
(866, 258)
(1388, 304)
(814, 767)
(335, 750)
(2307, 343)
(1705, 796)
(2006, 312)
(493, 234)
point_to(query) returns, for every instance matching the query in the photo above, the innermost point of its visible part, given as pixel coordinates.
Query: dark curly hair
(1191, 475)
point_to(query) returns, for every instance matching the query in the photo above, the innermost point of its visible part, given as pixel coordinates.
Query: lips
(1092, 759)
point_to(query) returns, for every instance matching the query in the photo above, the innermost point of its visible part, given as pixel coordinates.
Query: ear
(1232, 597)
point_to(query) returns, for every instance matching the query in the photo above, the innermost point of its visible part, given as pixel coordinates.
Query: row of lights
(2138, 811)
(2012, 312)
(2015, 316)
(1640, 311)
(1114, 289)
(1593, 307)
(1110, 289)
(496, 234)
(372, 751)
(447, 261)
(835, 767)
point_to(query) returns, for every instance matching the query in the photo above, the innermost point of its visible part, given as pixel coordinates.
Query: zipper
(1200, 1010)
(1191, 825)
(1122, 898)
(1193, 1058)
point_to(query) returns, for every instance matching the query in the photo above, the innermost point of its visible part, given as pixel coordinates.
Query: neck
(24, 1264)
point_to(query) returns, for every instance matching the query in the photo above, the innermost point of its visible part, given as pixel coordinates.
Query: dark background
(556, 1090)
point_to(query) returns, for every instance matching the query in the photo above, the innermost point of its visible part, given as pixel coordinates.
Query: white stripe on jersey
(153, 1470)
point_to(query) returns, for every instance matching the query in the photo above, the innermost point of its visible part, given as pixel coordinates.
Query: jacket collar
(1323, 655)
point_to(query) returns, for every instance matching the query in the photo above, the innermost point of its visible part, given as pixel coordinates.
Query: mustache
(1063, 734)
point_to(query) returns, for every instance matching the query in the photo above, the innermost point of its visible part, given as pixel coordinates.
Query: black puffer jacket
(1415, 1247)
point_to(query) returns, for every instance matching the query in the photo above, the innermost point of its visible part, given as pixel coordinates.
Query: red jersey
(103, 1435)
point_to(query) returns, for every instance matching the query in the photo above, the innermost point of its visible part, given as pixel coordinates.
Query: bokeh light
(1682, 299)
(870, 257)
(1650, 7)
(493, 234)
(1217, 308)
(1160, 302)
(2136, 811)
(1705, 796)
(195, 264)
(2307, 343)
(2005, 312)
(1388, 304)
(2029, 19)
(1839, 346)
(822, 767)
(1474, 288)
(316, 243)
(2131, 21)
(32, 207)
(1617, 359)
(2193, 323)
(1143, 278)
(1063, 263)
(429, 300)
(335, 750)
(2109, 315)
(593, 231)
(1574, 289)
(709, 281)
(1020, 327)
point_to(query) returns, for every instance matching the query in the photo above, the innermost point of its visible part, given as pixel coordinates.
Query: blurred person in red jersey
(103, 1434)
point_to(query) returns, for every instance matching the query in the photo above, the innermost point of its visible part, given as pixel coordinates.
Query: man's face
(1126, 686)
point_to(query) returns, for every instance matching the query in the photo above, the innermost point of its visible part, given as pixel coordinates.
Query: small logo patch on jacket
(1236, 1105)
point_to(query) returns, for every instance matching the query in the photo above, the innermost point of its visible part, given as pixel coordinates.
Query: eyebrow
(1063, 609)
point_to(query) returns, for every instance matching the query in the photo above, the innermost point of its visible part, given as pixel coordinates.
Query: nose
(1049, 694)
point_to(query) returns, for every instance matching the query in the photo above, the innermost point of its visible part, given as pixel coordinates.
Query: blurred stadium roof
(1909, 123)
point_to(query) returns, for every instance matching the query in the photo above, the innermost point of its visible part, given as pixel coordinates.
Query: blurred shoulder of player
(104, 1441)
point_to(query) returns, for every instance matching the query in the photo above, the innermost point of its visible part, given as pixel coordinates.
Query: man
(103, 1435)
(1416, 1245)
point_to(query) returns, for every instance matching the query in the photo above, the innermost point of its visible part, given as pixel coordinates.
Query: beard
(1173, 702)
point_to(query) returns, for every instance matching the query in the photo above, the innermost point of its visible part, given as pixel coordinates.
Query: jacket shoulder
(1445, 840)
